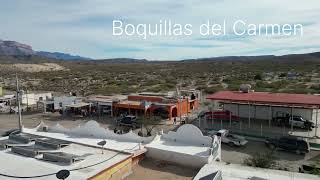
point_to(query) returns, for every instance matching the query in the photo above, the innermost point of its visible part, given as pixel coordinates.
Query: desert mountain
(13, 48)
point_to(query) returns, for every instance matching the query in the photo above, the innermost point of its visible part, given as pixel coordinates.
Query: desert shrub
(211, 90)
(262, 160)
(258, 77)
(315, 87)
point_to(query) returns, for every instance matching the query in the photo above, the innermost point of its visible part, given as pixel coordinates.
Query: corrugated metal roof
(267, 98)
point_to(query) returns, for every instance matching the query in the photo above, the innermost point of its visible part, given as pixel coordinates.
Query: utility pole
(27, 99)
(18, 100)
(179, 102)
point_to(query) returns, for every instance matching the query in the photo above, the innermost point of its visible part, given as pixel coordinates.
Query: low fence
(253, 128)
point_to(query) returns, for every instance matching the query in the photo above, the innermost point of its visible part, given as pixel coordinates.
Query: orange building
(149, 105)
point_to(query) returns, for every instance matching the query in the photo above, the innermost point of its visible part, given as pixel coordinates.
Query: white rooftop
(91, 133)
(18, 165)
(180, 147)
(187, 146)
(240, 172)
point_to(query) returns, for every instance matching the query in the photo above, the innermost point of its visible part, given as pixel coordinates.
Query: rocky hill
(62, 56)
(12, 48)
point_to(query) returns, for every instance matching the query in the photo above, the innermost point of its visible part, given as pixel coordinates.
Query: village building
(103, 105)
(187, 147)
(167, 105)
(226, 171)
(32, 98)
(88, 152)
(58, 103)
(257, 110)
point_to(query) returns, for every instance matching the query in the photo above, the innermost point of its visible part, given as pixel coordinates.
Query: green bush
(258, 77)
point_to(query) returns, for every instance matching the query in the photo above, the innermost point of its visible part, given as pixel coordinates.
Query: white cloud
(84, 27)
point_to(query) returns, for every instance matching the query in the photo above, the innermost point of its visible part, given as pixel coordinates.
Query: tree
(148, 123)
(258, 77)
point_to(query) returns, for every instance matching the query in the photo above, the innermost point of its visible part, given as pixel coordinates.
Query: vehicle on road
(209, 115)
(129, 120)
(230, 139)
(292, 120)
(11, 131)
(292, 144)
(310, 169)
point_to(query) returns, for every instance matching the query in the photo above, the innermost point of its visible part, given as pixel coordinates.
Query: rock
(12, 48)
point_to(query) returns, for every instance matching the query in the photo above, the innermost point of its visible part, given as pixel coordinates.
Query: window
(60, 104)
(296, 119)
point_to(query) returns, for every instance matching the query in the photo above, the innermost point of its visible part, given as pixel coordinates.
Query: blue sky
(84, 27)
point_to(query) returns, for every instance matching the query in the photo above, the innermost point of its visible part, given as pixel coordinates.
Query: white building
(33, 98)
(46, 150)
(264, 105)
(257, 109)
(221, 170)
(187, 147)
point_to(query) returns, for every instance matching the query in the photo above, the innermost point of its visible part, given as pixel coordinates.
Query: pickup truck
(295, 121)
(293, 144)
(130, 121)
(230, 139)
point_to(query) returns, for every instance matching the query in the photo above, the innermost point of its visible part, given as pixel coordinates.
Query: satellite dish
(102, 143)
(63, 174)
(245, 88)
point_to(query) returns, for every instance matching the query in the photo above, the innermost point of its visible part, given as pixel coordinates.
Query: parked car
(298, 121)
(293, 144)
(295, 121)
(225, 115)
(310, 169)
(130, 121)
(11, 131)
(230, 139)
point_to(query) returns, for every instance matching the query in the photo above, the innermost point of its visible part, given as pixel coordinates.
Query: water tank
(245, 88)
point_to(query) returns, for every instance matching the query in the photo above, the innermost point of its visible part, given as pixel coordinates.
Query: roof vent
(19, 138)
(257, 178)
(62, 157)
(51, 143)
(245, 88)
(25, 151)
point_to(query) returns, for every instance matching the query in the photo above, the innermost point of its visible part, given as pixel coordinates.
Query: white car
(230, 139)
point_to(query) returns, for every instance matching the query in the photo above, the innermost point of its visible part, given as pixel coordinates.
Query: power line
(27, 177)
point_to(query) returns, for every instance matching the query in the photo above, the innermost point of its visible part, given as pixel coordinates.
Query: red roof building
(266, 98)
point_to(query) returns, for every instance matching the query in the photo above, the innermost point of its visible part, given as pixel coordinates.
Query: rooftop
(78, 105)
(194, 151)
(304, 100)
(91, 133)
(90, 160)
(239, 172)
(107, 99)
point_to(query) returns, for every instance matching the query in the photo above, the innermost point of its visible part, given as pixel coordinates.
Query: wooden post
(271, 114)
(316, 128)
(230, 116)
(129, 109)
(291, 118)
(249, 118)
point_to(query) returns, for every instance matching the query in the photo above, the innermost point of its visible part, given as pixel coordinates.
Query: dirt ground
(153, 169)
(284, 160)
